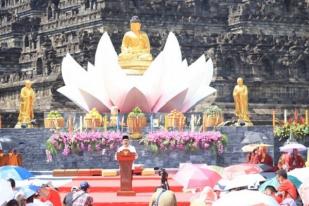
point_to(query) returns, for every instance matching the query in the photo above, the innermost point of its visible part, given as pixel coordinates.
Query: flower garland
(69, 143)
(187, 141)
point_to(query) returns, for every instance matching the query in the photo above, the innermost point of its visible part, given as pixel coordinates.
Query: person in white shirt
(126, 145)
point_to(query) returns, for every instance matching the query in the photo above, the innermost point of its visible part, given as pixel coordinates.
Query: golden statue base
(135, 67)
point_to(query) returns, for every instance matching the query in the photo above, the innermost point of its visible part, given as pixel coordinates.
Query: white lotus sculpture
(169, 83)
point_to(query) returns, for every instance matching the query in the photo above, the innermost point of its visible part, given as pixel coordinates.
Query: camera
(164, 175)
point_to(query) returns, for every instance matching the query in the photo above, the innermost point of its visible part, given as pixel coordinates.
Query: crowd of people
(287, 161)
(47, 195)
(10, 158)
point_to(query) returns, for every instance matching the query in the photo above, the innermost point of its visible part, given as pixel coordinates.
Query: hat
(125, 136)
(135, 19)
(84, 185)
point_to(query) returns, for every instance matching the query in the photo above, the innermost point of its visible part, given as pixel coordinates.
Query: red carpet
(103, 190)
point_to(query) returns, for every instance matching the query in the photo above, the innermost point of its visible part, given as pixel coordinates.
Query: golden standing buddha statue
(240, 94)
(27, 98)
(135, 56)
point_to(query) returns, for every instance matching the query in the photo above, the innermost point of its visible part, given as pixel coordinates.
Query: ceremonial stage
(104, 190)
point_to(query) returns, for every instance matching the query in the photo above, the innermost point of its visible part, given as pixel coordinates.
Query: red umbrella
(193, 177)
(241, 169)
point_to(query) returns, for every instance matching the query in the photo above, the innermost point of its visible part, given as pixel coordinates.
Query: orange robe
(267, 159)
(2, 159)
(12, 159)
(295, 161)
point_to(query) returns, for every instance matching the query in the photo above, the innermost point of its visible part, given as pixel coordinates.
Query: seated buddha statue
(135, 56)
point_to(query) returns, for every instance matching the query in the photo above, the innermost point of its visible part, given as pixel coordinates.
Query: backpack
(68, 200)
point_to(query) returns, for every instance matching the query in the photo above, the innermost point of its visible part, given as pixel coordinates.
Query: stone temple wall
(31, 144)
(266, 42)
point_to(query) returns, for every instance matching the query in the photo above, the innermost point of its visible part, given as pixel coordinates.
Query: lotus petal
(74, 95)
(93, 102)
(149, 82)
(106, 57)
(173, 82)
(68, 68)
(174, 103)
(134, 98)
(93, 83)
(199, 82)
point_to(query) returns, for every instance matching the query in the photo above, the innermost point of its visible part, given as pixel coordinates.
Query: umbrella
(290, 146)
(304, 192)
(14, 172)
(249, 147)
(5, 191)
(246, 198)
(215, 168)
(29, 190)
(301, 173)
(274, 182)
(253, 137)
(191, 176)
(245, 181)
(241, 169)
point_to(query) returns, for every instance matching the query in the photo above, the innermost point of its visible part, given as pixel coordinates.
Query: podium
(125, 159)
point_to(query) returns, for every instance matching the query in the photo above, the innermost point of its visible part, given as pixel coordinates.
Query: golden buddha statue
(135, 56)
(240, 94)
(27, 98)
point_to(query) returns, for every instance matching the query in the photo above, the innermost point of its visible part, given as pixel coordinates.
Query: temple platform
(31, 143)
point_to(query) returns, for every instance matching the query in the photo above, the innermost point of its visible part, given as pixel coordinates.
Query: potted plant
(136, 121)
(54, 120)
(212, 116)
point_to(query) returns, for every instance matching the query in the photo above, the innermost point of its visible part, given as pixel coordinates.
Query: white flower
(169, 83)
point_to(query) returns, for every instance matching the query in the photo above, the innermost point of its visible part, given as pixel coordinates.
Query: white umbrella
(301, 173)
(304, 192)
(245, 181)
(289, 147)
(5, 191)
(246, 198)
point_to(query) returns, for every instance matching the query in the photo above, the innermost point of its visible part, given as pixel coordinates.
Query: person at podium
(126, 145)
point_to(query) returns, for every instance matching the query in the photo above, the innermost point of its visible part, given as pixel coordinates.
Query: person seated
(295, 160)
(286, 187)
(264, 157)
(282, 162)
(126, 145)
(2, 158)
(12, 158)
(254, 158)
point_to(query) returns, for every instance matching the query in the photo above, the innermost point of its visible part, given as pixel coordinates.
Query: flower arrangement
(213, 111)
(187, 141)
(54, 120)
(69, 143)
(136, 121)
(93, 119)
(212, 116)
(294, 126)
